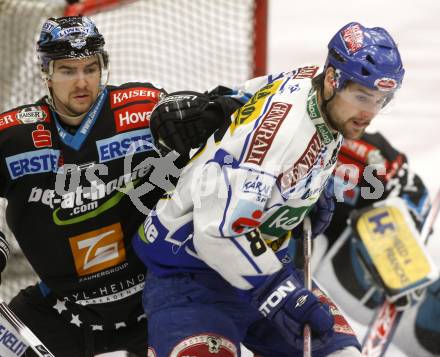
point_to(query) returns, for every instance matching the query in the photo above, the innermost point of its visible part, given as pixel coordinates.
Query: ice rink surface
(298, 34)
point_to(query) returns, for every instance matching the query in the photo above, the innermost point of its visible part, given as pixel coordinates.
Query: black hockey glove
(4, 252)
(185, 120)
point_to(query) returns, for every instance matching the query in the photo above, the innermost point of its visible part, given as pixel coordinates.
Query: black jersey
(391, 173)
(67, 198)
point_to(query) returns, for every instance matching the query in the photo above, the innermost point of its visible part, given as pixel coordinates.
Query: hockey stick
(307, 243)
(33, 341)
(381, 331)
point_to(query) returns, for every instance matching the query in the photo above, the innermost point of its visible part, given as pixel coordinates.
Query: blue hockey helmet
(368, 56)
(70, 37)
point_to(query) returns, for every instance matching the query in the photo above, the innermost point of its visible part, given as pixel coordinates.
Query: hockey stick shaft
(387, 319)
(430, 219)
(307, 247)
(33, 341)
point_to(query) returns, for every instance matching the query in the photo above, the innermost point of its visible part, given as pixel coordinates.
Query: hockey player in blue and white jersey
(216, 246)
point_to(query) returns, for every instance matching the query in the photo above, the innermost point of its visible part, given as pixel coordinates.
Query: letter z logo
(98, 250)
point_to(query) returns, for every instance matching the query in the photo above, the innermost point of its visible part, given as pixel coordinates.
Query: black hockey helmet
(70, 37)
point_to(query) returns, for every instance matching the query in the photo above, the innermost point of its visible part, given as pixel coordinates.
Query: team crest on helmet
(78, 43)
(353, 38)
(385, 84)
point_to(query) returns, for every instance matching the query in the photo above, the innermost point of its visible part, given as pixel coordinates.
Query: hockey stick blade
(33, 341)
(385, 322)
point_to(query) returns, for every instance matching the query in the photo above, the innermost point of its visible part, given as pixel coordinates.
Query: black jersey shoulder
(134, 92)
(38, 112)
(382, 144)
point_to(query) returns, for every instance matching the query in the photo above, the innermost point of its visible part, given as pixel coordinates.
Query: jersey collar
(317, 119)
(76, 141)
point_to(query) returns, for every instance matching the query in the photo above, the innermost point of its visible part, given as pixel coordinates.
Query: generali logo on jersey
(130, 95)
(133, 117)
(301, 167)
(98, 250)
(265, 133)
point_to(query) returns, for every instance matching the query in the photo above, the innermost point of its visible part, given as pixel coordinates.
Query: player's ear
(329, 82)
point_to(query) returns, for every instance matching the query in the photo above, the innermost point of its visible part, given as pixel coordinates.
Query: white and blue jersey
(243, 192)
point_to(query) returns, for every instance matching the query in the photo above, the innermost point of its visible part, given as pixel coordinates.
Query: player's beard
(80, 109)
(68, 113)
(347, 128)
(70, 109)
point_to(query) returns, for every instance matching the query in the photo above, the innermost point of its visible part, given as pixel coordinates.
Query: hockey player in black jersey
(342, 270)
(70, 164)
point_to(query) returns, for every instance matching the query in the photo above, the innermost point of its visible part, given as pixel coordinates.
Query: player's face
(353, 108)
(75, 84)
